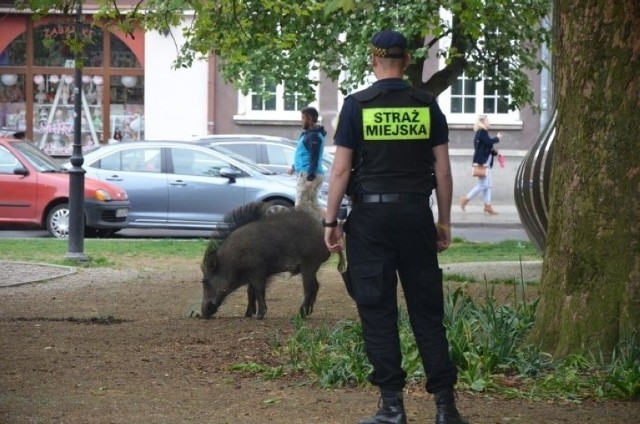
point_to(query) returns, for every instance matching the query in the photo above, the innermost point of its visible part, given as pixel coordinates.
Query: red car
(34, 191)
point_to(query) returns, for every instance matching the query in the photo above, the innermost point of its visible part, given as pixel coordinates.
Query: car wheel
(58, 221)
(278, 205)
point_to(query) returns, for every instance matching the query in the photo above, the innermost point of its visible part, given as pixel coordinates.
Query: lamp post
(76, 174)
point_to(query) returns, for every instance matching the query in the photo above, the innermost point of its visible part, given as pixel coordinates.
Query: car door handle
(114, 178)
(178, 183)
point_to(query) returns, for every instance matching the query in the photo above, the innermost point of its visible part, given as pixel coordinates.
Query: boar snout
(208, 309)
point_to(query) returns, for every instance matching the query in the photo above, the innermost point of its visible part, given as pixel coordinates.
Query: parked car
(34, 192)
(182, 185)
(273, 153)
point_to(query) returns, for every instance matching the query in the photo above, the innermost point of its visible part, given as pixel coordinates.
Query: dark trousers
(384, 241)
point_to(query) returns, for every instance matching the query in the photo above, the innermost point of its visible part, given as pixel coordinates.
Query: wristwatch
(329, 224)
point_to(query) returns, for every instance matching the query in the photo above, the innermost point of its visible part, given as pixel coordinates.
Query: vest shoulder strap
(421, 95)
(367, 94)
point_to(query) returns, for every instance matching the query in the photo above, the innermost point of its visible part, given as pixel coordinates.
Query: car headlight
(103, 195)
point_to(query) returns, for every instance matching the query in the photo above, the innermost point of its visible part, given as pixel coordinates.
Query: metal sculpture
(531, 190)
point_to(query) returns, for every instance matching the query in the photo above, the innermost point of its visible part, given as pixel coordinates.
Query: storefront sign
(64, 31)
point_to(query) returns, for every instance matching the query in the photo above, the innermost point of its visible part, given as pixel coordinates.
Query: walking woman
(483, 154)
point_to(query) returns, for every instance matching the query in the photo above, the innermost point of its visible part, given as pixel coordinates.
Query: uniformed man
(391, 153)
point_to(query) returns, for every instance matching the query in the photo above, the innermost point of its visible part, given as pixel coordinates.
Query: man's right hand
(334, 238)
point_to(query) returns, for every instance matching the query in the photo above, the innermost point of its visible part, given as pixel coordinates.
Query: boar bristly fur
(259, 245)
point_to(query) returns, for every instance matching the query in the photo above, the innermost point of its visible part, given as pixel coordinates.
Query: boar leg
(251, 304)
(259, 291)
(256, 297)
(310, 285)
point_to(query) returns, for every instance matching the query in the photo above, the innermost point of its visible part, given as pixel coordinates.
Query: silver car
(181, 185)
(274, 153)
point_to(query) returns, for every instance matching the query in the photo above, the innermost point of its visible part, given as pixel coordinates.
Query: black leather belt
(391, 198)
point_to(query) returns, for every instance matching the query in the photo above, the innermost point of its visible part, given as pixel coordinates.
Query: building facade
(130, 91)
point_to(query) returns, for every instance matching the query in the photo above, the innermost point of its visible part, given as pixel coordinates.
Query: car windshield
(37, 159)
(239, 158)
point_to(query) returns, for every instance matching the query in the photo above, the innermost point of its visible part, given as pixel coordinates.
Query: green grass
(101, 252)
(110, 252)
(509, 250)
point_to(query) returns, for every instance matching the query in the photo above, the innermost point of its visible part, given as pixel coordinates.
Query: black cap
(389, 44)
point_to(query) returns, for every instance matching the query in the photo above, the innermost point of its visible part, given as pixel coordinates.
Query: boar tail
(342, 269)
(342, 262)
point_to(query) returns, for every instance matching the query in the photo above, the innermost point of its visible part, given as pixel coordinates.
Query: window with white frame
(367, 80)
(276, 104)
(467, 98)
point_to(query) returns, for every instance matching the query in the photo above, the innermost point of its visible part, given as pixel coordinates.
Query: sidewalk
(18, 273)
(476, 217)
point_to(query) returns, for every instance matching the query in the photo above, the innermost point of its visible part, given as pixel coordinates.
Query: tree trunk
(590, 289)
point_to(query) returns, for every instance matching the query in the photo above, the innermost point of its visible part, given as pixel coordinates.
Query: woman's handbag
(479, 170)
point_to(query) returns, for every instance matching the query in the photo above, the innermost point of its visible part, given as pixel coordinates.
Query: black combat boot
(391, 410)
(446, 411)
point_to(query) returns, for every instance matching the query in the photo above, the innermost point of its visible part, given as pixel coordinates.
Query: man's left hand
(443, 237)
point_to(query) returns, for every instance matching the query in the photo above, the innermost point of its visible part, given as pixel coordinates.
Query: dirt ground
(120, 346)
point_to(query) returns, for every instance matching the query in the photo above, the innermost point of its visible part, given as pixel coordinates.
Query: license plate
(122, 213)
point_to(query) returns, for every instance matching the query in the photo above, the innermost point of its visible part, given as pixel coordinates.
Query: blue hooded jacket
(308, 157)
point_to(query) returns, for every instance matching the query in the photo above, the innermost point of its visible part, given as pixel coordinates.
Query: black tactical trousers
(384, 241)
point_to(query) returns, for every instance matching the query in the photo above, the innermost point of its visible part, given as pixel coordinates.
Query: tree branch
(461, 44)
(435, 40)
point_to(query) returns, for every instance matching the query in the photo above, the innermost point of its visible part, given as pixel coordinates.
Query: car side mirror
(230, 173)
(21, 170)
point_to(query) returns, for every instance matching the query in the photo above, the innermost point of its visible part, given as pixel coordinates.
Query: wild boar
(258, 245)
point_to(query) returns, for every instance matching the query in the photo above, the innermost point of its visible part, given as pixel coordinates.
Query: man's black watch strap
(329, 224)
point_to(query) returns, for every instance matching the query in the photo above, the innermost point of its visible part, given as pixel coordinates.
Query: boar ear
(209, 264)
(213, 261)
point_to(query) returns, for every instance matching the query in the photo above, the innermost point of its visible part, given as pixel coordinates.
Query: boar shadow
(255, 245)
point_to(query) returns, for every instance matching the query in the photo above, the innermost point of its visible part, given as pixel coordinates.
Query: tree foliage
(280, 40)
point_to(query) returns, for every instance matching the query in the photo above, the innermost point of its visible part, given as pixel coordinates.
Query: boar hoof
(305, 311)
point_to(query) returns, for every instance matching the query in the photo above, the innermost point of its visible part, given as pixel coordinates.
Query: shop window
(121, 54)
(54, 109)
(40, 62)
(51, 48)
(127, 108)
(13, 115)
(16, 53)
